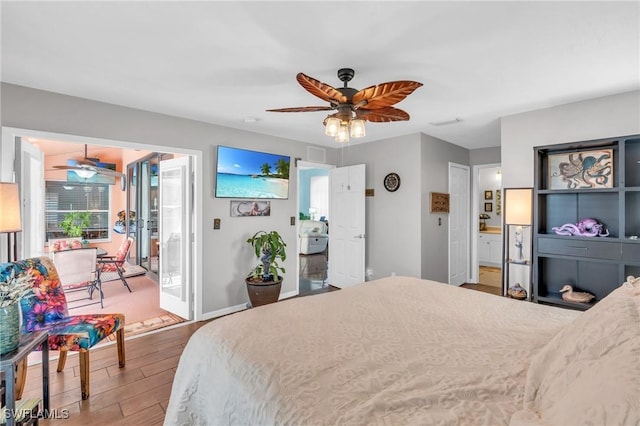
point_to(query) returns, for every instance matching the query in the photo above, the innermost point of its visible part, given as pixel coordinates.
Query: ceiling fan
(353, 106)
(88, 167)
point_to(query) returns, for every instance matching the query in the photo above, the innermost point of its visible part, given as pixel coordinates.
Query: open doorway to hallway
(313, 228)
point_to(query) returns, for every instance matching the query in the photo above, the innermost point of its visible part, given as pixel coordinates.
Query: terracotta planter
(263, 293)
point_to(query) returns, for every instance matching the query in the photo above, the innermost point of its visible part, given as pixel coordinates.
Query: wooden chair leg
(120, 342)
(84, 373)
(21, 378)
(62, 360)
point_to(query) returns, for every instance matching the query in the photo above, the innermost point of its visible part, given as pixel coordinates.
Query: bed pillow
(589, 373)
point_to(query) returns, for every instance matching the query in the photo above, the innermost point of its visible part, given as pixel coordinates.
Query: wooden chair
(45, 308)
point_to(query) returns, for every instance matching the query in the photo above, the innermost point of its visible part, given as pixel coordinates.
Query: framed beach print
(581, 169)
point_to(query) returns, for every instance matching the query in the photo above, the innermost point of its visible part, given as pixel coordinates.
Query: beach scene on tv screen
(251, 174)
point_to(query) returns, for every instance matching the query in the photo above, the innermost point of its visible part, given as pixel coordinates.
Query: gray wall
(608, 116)
(227, 258)
(484, 156)
(392, 218)
(435, 155)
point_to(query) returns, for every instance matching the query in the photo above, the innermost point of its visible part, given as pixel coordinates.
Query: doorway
(60, 145)
(487, 225)
(313, 227)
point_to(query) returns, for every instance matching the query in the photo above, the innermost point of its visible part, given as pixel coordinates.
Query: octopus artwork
(586, 171)
(584, 228)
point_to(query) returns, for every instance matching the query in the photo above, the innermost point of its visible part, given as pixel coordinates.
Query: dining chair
(116, 263)
(78, 271)
(45, 308)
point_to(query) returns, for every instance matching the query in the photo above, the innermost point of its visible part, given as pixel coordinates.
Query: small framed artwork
(439, 202)
(488, 207)
(250, 208)
(581, 169)
(488, 195)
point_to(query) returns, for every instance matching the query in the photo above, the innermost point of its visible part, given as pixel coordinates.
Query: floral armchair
(45, 308)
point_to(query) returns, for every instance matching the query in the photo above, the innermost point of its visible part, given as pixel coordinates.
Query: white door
(31, 175)
(346, 225)
(176, 210)
(458, 223)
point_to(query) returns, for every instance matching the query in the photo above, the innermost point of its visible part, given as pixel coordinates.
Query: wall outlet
(216, 223)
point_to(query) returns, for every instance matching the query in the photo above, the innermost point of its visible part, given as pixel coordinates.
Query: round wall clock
(392, 182)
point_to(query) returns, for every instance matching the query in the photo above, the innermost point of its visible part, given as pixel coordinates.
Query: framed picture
(488, 207)
(581, 169)
(240, 208)
(439, 202)
(488, 195)
(498, 202)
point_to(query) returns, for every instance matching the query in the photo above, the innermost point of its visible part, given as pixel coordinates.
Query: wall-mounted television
(241, 173)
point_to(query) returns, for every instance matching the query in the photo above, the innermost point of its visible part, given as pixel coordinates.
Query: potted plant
(264, 281)
(74, 222)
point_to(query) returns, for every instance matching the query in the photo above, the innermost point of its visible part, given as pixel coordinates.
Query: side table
(9, 362)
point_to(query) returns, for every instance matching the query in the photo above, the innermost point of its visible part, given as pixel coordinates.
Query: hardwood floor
(134, 395)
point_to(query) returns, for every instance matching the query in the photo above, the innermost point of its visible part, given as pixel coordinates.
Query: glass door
(142, 205)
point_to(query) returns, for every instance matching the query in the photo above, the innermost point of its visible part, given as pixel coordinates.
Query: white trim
(288, 295)
(7, 148)
(222, 312)
(475, 224)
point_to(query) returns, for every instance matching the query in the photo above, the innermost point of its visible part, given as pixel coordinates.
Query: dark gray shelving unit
(594, 264)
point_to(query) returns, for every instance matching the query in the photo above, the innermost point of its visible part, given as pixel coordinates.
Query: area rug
(149, 325)
(129, 271)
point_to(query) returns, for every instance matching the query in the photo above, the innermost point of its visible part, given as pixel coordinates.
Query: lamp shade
(9, 207)
(518, 206)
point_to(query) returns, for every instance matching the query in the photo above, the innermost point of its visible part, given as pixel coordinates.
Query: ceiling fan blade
(302, 109)
(321, 90)
(98, 170)
(382, 115)
(109, 172)
(384, 95)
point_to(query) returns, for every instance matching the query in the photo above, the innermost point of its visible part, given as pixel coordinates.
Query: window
(65, 197)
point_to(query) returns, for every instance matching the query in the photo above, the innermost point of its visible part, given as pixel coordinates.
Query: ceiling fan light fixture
(343, 134)
(85, 174)
(357, 128)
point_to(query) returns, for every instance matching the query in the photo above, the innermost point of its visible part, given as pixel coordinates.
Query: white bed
(402, 350)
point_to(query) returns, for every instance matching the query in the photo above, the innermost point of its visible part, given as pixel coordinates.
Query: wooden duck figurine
(575, 296)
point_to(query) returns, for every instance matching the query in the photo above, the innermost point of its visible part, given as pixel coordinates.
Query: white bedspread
(398, 350)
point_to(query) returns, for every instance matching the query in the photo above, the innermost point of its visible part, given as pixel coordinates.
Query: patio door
(142, 210)
(176, 237)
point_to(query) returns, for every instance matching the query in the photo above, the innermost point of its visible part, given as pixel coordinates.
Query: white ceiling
(220, 62)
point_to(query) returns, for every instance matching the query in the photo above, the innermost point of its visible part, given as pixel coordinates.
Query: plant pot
(263, 293)
(9, 328)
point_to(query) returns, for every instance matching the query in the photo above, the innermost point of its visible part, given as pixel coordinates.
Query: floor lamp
(10, 216)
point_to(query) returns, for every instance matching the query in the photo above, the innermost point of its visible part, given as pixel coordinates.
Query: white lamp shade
(343, 134)
(9, 207)
(331, 126)
(85, 173)
(518, 208)
(357, 128)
